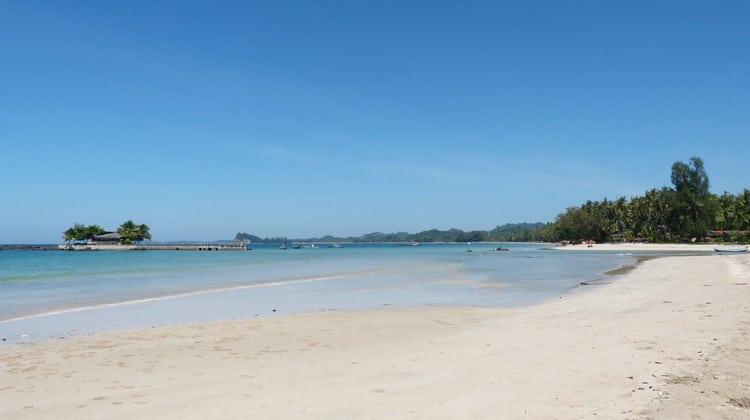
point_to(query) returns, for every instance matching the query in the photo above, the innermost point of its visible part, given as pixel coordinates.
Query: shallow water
(47, 294)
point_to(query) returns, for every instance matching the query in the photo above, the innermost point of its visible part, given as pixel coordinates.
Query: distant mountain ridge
(510, 232)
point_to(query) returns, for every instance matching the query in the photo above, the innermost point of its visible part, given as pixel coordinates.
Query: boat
(283, 245)
(730, 249)
(407, 244)
(295, 246)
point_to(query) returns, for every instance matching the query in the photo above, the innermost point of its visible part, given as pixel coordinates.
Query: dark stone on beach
(743, 402)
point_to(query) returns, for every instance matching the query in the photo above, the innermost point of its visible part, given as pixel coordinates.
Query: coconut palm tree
(128, 231)
(79, 232)
(72, 233)
(143, 233)
(131, 232)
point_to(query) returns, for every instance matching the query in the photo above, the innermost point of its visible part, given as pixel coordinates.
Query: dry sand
(637, 246)
(667, 340)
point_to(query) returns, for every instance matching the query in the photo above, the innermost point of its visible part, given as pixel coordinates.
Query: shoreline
(665, 340)
(355, 288)
(638, 247)
(607, 246)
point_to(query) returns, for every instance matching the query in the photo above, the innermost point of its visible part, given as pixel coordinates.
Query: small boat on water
(730, 249)
(283, 245)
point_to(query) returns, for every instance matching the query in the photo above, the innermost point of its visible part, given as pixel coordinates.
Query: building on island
(106, 238)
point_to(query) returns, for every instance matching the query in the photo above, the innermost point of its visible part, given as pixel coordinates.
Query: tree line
(685, 212)
(129, 232)
(512, 232)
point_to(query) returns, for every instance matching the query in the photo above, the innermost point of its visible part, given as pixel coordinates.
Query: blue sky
(301, 119)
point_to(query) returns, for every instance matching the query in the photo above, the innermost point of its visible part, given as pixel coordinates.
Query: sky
(302, 119)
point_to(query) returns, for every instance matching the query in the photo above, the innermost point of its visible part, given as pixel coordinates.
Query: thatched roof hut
(107, 238)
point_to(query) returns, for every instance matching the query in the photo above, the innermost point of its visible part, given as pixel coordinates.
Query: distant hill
(511, 232)
(246, 237)
(519, 232)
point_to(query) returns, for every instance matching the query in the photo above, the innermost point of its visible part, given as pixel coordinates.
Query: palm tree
(143, 233)
(743, 210)
(72, 233)
(131, 232)
(128, 231)
(79, 232)
(726, 212)
(91, 231)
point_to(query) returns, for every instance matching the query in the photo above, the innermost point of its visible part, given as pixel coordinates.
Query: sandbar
(666, 340)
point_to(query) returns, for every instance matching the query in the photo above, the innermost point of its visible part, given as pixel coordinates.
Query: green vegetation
(246, 237)
(519, 232)
(132, 233)
(79, 232)
(129, 231)
(687, 212)
(507, 233)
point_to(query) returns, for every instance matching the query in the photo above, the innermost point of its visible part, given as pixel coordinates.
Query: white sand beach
(667, 340)
(638, 246)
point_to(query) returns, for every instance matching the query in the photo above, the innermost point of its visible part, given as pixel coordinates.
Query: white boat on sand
(730, 249)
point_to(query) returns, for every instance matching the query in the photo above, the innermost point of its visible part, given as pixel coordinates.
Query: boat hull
(733, 250)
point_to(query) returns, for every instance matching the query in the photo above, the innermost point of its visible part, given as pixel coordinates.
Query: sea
(57, 294)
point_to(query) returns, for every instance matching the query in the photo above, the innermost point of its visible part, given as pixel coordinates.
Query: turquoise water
(50, 293)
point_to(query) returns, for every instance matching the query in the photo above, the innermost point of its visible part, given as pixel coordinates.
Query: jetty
(28, 247)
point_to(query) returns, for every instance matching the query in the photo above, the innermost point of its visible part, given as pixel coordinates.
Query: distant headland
(510, 232)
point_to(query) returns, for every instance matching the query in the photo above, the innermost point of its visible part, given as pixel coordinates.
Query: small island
(129, 236)
(93, 237)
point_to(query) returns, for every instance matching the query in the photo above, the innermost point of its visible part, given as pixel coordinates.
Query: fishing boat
(730, 249)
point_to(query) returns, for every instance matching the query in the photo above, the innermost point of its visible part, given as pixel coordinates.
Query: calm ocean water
(47, 294)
